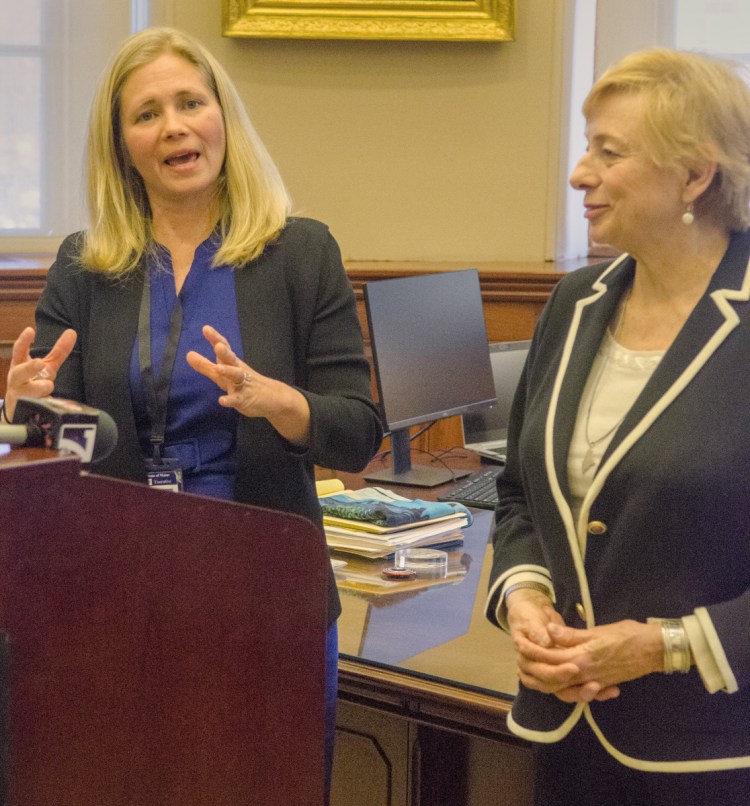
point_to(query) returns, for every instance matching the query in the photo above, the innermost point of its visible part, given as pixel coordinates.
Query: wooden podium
(164, 649)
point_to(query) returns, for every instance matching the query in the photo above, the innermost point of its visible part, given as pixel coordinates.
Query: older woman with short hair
(622, 540)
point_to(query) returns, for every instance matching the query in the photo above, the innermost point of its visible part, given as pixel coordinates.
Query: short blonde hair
(254, 204)
(696, 108)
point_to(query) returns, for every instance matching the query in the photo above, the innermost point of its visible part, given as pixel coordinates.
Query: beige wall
(411, 150)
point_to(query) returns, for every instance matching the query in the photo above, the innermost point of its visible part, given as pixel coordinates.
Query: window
(602, 32)
(718, 27)
(21, 62)
(51, 55)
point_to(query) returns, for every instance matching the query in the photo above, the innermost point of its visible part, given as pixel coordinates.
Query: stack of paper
(378, 531)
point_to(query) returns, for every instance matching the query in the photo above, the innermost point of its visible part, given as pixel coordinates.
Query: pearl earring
(687, 216)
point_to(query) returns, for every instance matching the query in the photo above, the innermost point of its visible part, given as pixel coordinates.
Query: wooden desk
(425, 686)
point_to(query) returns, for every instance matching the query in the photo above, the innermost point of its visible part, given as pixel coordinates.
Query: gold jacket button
(597, 528)
(581, 610)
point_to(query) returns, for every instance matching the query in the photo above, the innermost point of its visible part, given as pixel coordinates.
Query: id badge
(164, 476)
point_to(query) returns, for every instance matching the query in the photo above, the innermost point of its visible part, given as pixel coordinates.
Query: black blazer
(673, 494)
(299, 324)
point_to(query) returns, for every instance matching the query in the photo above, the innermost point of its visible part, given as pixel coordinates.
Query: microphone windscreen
(68, 425)
(106, 437)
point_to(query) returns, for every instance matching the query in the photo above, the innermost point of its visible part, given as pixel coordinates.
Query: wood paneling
(21, 283)
(384, 759)
(512, 300)
(513, 295)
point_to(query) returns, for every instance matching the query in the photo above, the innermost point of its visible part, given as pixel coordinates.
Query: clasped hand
(578, 665)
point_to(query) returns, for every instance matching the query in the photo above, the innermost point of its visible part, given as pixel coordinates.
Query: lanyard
(157, 391)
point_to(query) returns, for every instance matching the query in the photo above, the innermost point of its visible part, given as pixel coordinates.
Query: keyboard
(477, 490)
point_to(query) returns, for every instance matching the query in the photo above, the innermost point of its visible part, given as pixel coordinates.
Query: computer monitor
(486, 431)
(431, 360)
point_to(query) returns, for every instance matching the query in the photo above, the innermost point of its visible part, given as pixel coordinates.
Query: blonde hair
(253, 202)
(697, 108)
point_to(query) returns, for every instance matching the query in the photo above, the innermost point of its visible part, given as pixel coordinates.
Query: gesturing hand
(253, 394)
(34, 377)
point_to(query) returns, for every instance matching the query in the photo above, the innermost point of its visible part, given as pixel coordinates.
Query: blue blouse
(200, 433)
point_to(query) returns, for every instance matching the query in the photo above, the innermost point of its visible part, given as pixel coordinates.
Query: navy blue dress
(200, 433)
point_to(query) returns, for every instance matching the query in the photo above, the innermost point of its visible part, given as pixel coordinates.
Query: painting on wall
(438, 20)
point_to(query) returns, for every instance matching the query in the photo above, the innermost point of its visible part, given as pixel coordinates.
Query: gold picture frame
(436, 20)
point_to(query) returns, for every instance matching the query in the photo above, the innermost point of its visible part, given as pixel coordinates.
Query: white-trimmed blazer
(666, 523)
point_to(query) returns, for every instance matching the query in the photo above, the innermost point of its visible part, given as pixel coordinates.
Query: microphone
(63, 425)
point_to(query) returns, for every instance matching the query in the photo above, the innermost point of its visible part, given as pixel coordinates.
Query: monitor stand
(403, 472)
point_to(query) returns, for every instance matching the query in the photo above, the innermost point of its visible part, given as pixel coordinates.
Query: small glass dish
(430, 563)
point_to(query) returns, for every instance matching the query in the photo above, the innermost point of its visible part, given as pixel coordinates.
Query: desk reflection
(435, 628)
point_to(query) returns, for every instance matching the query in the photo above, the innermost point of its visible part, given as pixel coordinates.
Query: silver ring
(42, 375)
(246, 378)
